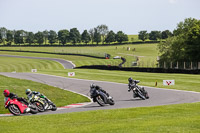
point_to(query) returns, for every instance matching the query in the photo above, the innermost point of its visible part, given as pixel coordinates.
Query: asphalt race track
(122, 98)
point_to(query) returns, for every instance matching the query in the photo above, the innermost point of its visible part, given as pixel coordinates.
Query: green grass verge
(18, 86)
(161, 119)
(182, 81)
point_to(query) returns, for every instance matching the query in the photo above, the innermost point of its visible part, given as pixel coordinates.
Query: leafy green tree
(154, 35)
(30, 38)
(85, 37)
(9, 37)
(3, 32)
(185, 44)
(1, 38)
(120, 37)
(143, 35)
(45, 34)
(18, 37)
(52, 37)
(75, 36)
(166, 34)
(103, 30)
(192, 38)
(91, 33)
(97, 36)
(63, 36)
(172, 49)
(110, 37)
(39, 37)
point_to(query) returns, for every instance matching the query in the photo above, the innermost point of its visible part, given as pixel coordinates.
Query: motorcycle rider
(10, 95)
(30, 93)
(99, 88)
(132, 84)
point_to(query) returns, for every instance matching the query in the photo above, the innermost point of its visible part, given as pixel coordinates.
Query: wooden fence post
(177, 64)
(184, 64)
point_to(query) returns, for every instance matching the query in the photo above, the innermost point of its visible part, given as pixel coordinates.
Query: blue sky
(130, 16)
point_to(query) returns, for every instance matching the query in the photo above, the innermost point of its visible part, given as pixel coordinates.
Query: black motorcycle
(138, 91)
(100, 97)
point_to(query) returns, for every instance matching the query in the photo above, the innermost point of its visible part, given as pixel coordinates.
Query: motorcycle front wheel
(39, 106)
(100, 100)
(14, 109)
(54, 108)
(33, 111)
(111, 102)
(141, 95)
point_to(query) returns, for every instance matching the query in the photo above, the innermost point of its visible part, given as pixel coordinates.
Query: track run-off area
(119, 91)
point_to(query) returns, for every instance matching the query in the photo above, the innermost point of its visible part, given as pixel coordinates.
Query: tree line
(99, 34)
(154, 35)
(184, 45)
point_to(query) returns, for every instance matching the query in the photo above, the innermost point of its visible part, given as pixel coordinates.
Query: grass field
(10, 64)
(18, 86)
(133, 38)
(146, 53)
(183, 118)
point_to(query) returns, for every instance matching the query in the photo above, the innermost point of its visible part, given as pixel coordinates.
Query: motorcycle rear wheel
(14, 109)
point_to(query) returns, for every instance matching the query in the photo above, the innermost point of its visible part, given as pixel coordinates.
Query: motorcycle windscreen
(5, 99)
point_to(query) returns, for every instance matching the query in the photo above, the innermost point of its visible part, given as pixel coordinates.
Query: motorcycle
(42, 104)
(17, 108)
(100, 97)
(138, 91)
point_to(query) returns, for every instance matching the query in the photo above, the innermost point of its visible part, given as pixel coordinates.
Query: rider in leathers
(30, 93)
(132, 84)
(99, 88)
(10, 95)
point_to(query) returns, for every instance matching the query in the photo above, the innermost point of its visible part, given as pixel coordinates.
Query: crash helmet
(6, 93)
(28, 91)
(130, 80)
(92, 85)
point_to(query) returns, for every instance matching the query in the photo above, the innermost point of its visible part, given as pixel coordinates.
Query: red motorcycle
(17, 108)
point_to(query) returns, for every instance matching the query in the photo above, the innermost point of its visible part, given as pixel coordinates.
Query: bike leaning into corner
(41, 101)
(100, 96)
(16, 105)
(138, 91)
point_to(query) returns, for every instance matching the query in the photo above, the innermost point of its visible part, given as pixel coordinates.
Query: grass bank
(172, 118)
(18, 86)
(10, 64)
